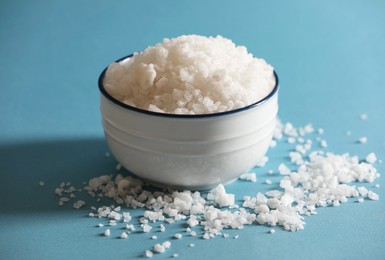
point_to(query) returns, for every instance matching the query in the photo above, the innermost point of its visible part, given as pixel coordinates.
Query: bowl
(195, 152)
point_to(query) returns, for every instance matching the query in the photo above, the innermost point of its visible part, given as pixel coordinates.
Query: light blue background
(329, 55)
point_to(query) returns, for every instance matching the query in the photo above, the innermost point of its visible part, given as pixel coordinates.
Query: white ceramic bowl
(188, 151)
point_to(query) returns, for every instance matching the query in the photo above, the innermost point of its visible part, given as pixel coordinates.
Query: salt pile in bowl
(190, 74)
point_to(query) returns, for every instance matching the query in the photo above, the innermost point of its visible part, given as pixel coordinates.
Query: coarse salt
(190, 74)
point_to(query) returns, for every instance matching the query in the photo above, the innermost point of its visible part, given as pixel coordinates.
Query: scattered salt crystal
(283, 169)
(79, 204)
(100, 225)
(166, 244)
(148, 253)
(360, 200)
(192, 245)
(364, 116)
(175, 255)
(236, 236)
(373, 196)
(272, 231)
(273, 143)
(323, 143)
(61, 203)
(320, 131)
(206, 236)
(123, 235)
(268, 181)
(291, 140)
(225, 235)
(178, 236)
(130, 227)
(188, 229)
(248, 177)
(154, 237)
(371, 158)
(377, 185)
(336, 203)
(193, 233)
(262, 162)
(41, 183)
(270, 172)
(107, 233)
(363, 140)
(162, 228)
(158, 248)
(146, 228)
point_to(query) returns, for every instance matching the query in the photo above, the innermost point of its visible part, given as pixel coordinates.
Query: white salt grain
(193, 233)
(166, 244)
(360, 200)
(236, 236)
(192, 245)
(248, 177)
(107, 233)
(373, 196)
(323, 144)
(162, 228)
(283, 169)
(363, 140)
(272, 231)
(371, 158)
(123, 235)
(100, 225)
(148, 253)
(268, 181)
(154, 237)
(146, 228)
(158, 248)
(377, 186)
(178, 236)
(175, 255)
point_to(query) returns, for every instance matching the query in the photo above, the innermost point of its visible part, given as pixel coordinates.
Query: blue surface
(330, 57)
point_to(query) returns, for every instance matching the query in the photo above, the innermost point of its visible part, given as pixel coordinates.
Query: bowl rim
(169, 115)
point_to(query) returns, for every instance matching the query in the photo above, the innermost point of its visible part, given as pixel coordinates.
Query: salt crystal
(154, 237)
(373, 196)
(146, 228)
(363, 140)
(166, 244)
(158, 248)
(148, 253)
(100, 225)
(192, 245)
(323, 143)
(248, 177)
(162, 228)
(123, 235)
(268, 181)
(236, 236)
(272, 231)
(371, 158)
(360, 200)
(178, 236)
(193, 233)
(283, 169)
(377, 185)
(107, 233)
(320, 131)
(175, 255)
